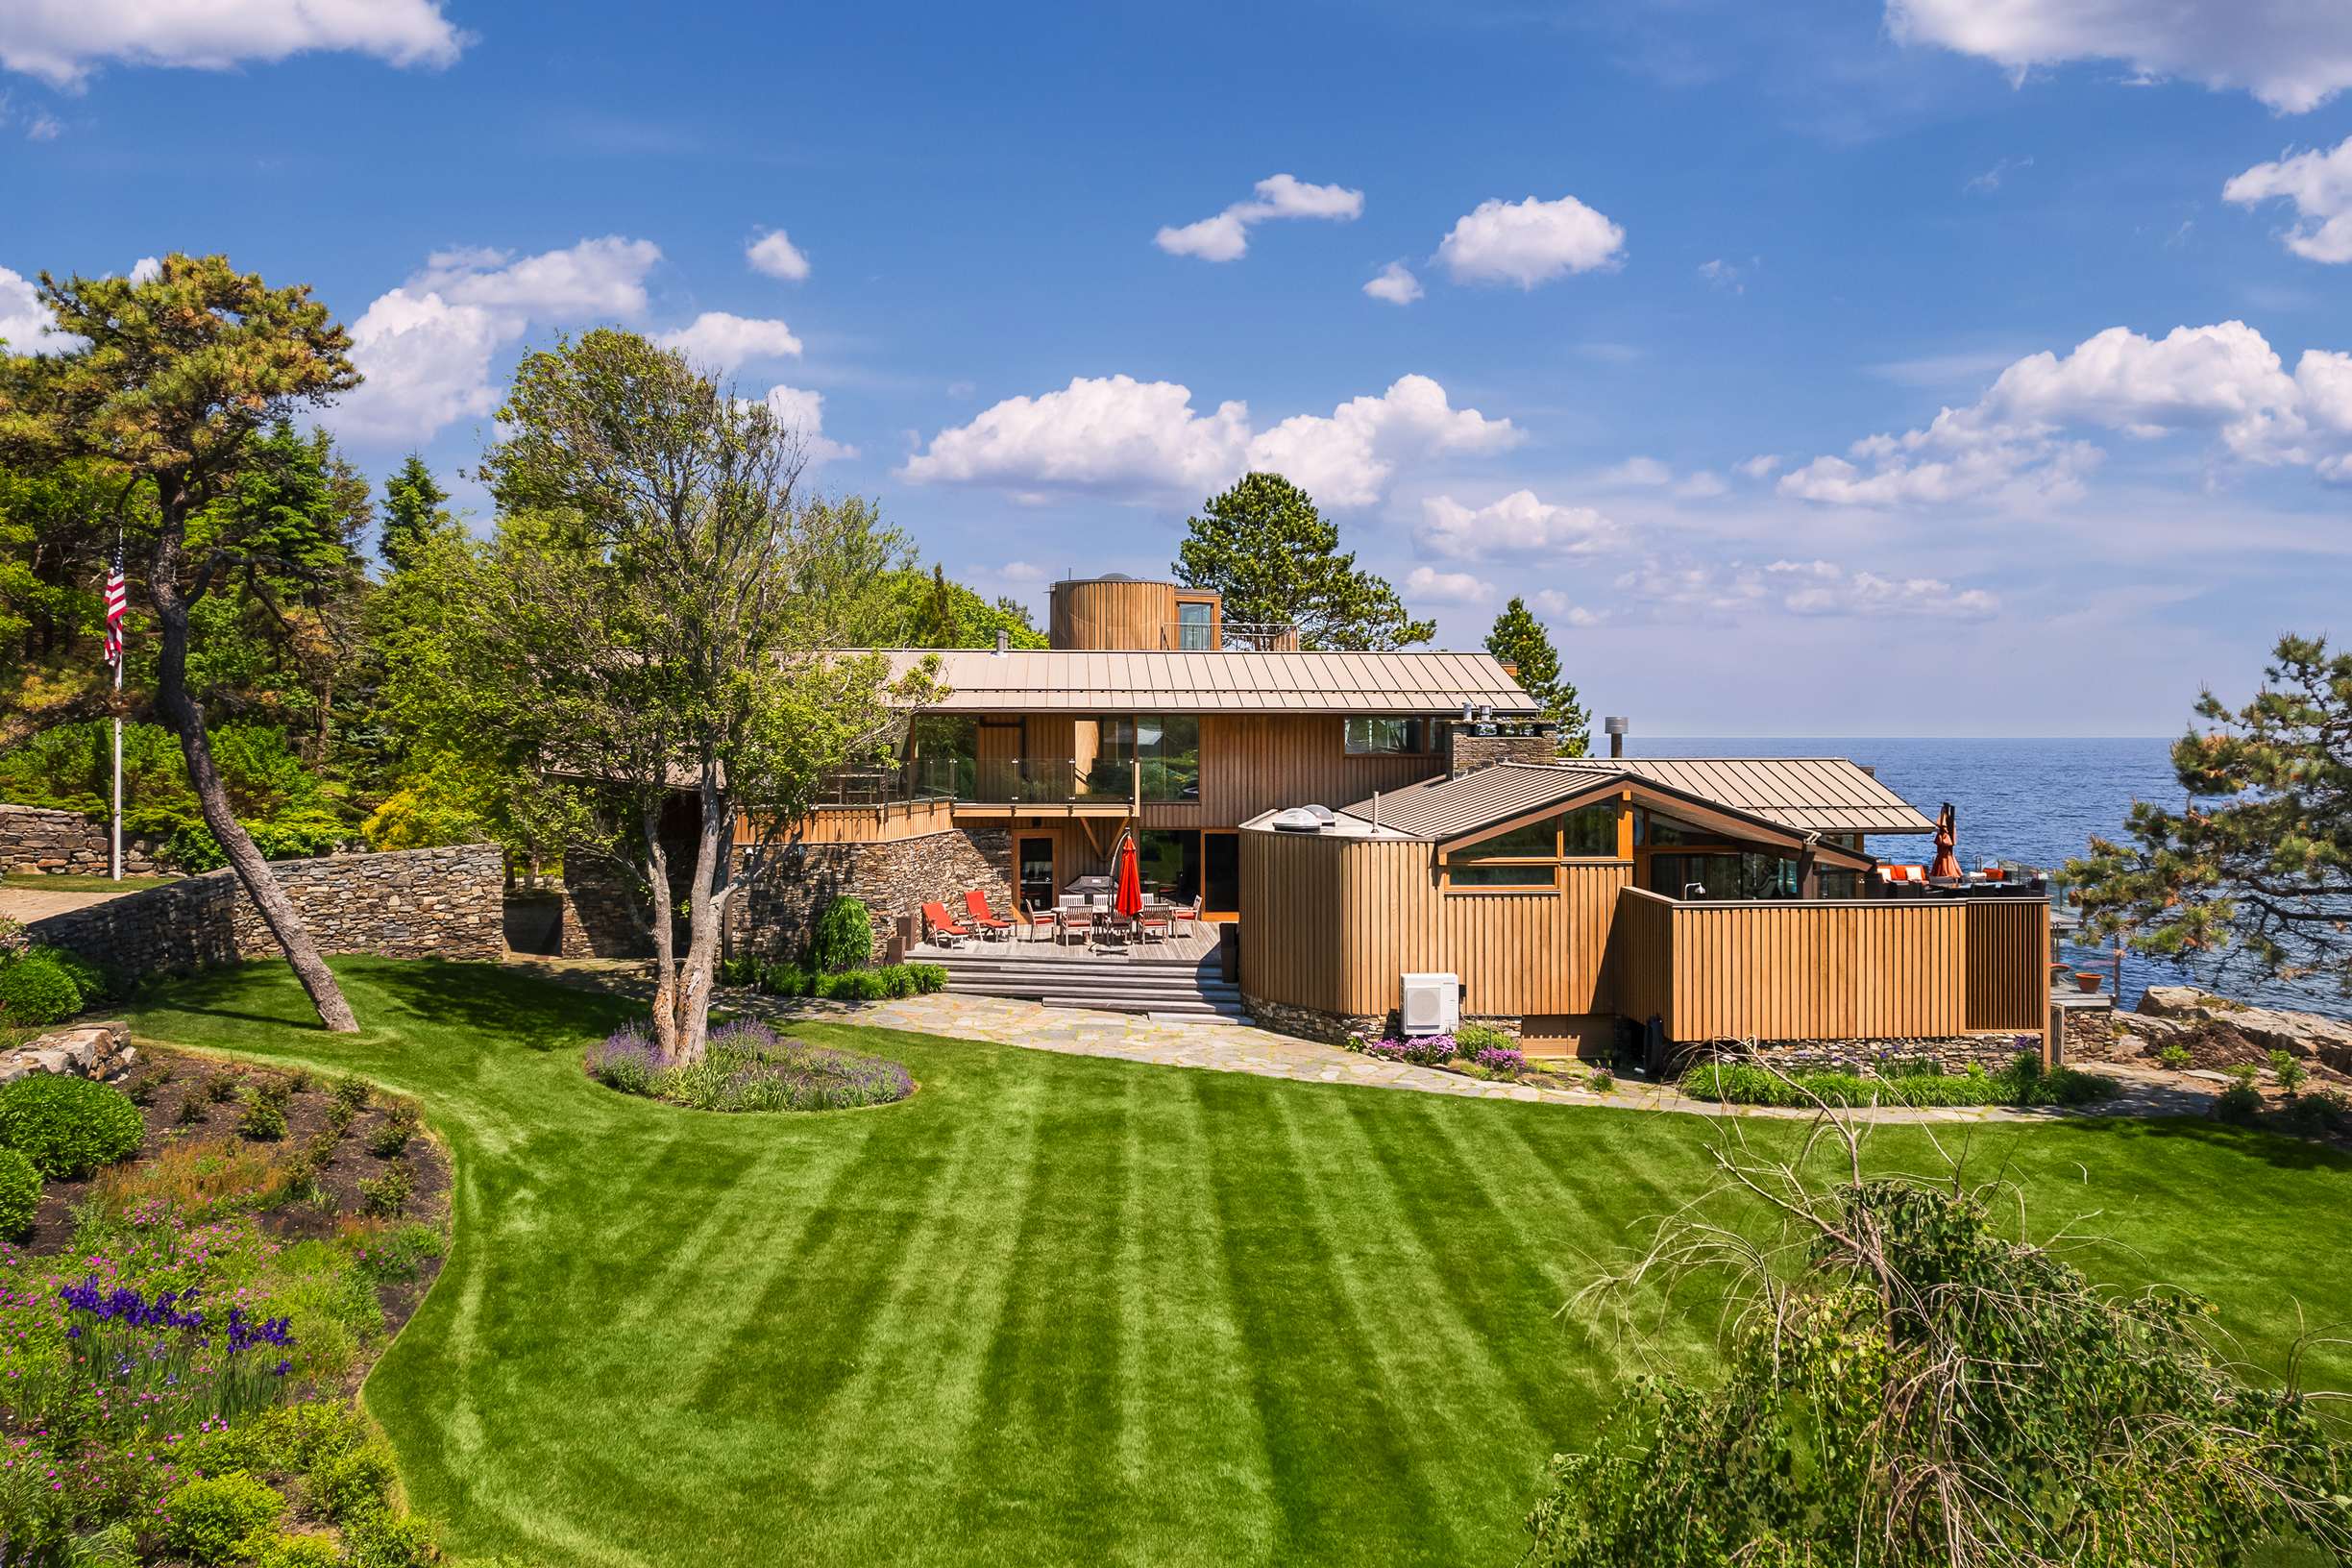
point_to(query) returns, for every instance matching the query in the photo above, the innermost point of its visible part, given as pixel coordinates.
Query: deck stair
(1112, 982)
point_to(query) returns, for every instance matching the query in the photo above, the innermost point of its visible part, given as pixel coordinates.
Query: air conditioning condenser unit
(1433, 1004)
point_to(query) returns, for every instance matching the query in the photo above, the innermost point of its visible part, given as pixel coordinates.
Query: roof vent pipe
(1376, 813)
(1615, 729)
(1004, 642)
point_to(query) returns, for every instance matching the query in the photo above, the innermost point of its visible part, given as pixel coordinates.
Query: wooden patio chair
(977, 912)
(1079, 920)
(1040, 918)
(1160, 918)
(937, 926)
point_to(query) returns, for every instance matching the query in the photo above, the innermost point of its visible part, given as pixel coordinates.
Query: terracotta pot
(2088, 982)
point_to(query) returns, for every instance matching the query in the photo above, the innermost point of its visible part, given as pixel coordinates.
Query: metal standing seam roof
(1802, 794)
(1037, 680)
(1443, 808)
(1812, 795)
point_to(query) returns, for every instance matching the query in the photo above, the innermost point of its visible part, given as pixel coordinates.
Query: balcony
(1047, 785)
(1230, 637)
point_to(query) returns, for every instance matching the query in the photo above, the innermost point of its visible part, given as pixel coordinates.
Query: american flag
(117, 604)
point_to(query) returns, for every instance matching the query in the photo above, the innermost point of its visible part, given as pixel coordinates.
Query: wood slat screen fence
(1863, 969)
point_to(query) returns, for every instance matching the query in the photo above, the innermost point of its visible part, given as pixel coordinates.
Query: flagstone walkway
(1227, 1047)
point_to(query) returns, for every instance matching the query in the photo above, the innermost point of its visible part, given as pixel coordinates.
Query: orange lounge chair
(976, 910)
(935, 923)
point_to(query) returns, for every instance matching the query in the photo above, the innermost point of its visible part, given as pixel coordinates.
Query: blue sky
(1672, 266)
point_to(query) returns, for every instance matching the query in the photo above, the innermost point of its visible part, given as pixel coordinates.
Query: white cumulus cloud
(717, 341)
(774, 253)
(425, 348)
(1225, 237)
(1518, 525)
(1452, 587)
(2223, 381)
(1140, 439)
(797, 409)
(26, 326)
(2293, 55)
(1666, 589)
(2319, 185)
(1530, 242)
(1395, 283)
(61, 41)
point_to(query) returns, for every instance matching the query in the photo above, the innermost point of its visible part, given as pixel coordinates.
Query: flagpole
(114, 857)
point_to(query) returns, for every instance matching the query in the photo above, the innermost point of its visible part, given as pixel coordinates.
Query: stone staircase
(1160, 988)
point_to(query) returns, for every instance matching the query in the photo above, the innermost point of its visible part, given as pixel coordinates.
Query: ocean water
(2038, 801)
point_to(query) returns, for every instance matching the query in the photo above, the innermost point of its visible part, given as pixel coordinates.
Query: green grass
(1063, 1309)
(30, 882)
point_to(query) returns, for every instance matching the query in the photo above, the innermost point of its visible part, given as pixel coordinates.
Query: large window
(1170, 864)
(1529, 855)
(1724, 876)
(1195, 622)
(1390, 737)
(941, 748)
(1168, 746)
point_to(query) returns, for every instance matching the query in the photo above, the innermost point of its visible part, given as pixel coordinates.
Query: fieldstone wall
(776, 914)
(1311, 1024)
(444, 902)
(895, 879)
(36, 841)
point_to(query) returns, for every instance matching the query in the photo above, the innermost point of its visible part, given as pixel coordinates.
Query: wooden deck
(1192, 947)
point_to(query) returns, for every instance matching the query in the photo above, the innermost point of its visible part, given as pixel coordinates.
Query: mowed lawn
(1055, 1309)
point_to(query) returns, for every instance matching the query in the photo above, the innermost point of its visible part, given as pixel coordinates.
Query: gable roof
(1813, 794)
(1037, 680)
(1446, 809)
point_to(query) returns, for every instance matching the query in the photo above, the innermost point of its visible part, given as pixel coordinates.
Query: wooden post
(1625, 824)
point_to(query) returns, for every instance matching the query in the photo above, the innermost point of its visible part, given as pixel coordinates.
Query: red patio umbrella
(1129, 899)
(1948, 839)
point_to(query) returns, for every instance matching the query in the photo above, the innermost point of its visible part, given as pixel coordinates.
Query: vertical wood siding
(1110, 615)
(863, 824)
(1292, 929)
(1264, 762)
(1832, 970)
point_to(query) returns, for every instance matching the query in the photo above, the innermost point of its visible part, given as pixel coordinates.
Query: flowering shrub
(745, 1067)
(1501, 1061)
(1421, 1050)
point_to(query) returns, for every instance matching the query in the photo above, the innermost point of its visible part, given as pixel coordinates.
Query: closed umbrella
(1948, 839)
(1128, 900)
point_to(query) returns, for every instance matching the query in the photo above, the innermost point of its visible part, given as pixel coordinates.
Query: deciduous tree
(172, 381)
(1276, 560)
(636, 625)
(1519, 639)
(2256, 867)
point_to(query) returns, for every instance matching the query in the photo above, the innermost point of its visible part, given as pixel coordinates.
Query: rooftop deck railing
(1238, 636)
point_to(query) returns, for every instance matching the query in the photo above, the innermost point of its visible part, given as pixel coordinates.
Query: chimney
(1615, 729)
(1004, 642)
(1510, 668)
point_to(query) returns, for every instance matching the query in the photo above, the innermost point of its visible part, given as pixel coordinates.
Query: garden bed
(746, 1066)
(2024, 1082)
(183, 1327)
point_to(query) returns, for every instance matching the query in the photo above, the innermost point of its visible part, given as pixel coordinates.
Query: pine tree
(413, 513)
(1520, 640)
(1264, 547)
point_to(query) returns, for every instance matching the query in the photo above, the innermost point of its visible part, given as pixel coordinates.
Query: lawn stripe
(1192, 1463)
(1321, 1368)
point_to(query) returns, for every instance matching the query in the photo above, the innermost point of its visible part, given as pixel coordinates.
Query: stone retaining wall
(1307, 1022)
(36, 841)
(445, 902)
(775, 916)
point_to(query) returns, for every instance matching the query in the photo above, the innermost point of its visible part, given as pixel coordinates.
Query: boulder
(2305, 1035)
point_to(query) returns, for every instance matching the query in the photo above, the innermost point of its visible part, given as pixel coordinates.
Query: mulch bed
(164, 1082)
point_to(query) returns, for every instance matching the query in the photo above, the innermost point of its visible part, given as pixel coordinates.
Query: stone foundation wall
(444, 902)
(1953, 1053)
(36, 841)
(1310, 1023)
(601, 918)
